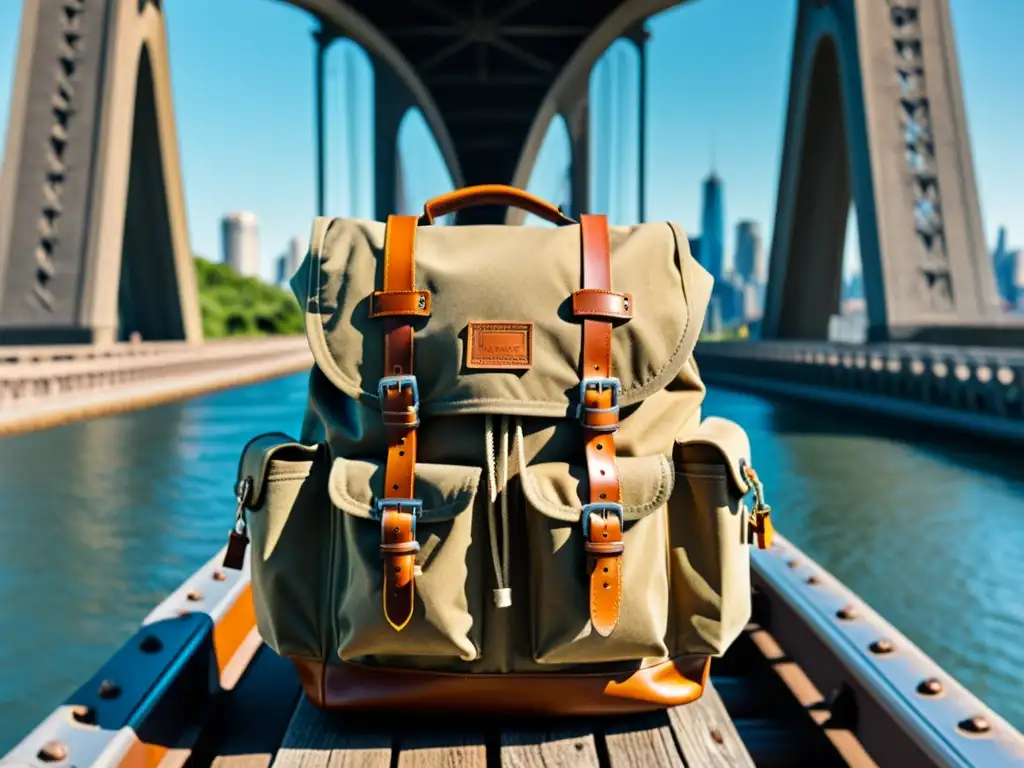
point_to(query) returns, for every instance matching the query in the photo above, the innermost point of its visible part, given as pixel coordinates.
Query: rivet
(812, 580)
(793, 563)
(194, 596)
(847, 613)
(151, 644)
(53, 751)
(83, 714)
(976, 724)
(930, 687)
(422, 301)
(109, 690)
(716, 736)
(881, 646)
(219, 576)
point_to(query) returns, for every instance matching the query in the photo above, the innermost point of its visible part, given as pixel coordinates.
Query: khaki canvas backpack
(503, 497)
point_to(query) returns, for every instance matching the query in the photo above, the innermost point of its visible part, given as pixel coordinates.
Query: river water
(100, 520)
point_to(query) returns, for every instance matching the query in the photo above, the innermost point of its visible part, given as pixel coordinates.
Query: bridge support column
(93, 237)
(876, 112)
(639, 36)
(323, 38)
(391, 100)
(575, 110)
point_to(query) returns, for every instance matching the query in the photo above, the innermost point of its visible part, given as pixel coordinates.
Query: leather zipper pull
(238, 539)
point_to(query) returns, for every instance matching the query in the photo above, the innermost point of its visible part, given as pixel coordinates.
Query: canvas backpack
(503, 497)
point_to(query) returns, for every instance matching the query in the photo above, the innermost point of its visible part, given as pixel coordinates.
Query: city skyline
(240, 151)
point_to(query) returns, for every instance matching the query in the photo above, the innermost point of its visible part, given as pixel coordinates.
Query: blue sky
(242, 73)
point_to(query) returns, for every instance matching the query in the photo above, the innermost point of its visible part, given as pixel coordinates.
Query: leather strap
(399, 405)
(404, 303)
(602, 525)
(594, 303)
(492, 194)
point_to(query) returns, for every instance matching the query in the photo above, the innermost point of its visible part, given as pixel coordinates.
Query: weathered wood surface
(699, 734)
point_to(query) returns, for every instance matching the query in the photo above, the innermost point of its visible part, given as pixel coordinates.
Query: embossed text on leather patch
(508, 346)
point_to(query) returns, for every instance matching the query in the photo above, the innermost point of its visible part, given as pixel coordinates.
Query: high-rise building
(240, 243)
(753, 301)
(1009, 268)
(712, 246)
(749, 262)
(281, 272)
(695, 248)
(296, 253)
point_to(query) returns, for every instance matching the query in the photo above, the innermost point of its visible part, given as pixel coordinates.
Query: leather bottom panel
(352, 686)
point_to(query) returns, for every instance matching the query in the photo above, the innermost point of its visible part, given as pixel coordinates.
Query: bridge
(94, 244)
(93, 237)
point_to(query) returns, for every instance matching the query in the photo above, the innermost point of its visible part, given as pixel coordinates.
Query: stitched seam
(602, 291)
(407, 312)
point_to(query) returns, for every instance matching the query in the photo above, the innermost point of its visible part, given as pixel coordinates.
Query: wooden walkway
(746, 718)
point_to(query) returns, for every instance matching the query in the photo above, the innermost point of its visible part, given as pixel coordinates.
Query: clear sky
(242, 73)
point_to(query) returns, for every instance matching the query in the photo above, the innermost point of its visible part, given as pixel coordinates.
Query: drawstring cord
(503, 593)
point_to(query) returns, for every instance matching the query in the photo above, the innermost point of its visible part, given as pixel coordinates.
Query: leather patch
(508, 346)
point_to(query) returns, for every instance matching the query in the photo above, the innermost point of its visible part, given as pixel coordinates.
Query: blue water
(100, 520)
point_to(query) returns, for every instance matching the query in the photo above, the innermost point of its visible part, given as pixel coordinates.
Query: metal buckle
(405, 381)
(413, 507)
(242, 490)
(606, 508)
(600, 383)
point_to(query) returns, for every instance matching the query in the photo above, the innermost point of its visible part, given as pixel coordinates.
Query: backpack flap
(721, 442)
(496, 332)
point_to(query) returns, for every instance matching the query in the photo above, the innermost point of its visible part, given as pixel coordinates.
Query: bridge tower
(93, 238)
(876, 115)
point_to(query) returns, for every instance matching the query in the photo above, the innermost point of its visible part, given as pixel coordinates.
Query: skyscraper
(281, 273)
(695, 248)
(240, 243)
(749, 262)
(296, 253)
(712, 245)
(1009, 268)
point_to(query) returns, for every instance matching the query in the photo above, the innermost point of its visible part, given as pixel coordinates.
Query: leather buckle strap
(394, 543)
(598, 412)
(399, 406)
(405, 390)
(400, 304)
(590, 411)
(591, 302)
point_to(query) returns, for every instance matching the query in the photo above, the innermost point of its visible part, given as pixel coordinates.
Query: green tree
(233, 305)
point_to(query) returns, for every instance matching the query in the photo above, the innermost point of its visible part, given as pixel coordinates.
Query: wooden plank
(642, 741)
(255, 715)
(319, 739)
(570, 747)
(429, 747)
(706, 734)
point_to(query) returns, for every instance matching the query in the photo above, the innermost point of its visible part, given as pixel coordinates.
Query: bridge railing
(37, 375)
(14, 355)
(903, 707)
(984, 383)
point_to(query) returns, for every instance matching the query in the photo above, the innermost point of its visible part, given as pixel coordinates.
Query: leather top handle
(492, 194)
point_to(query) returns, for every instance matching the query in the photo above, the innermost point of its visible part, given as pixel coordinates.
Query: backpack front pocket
(447, 591)
(290, 509)
(563, 575)
(708, 530)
